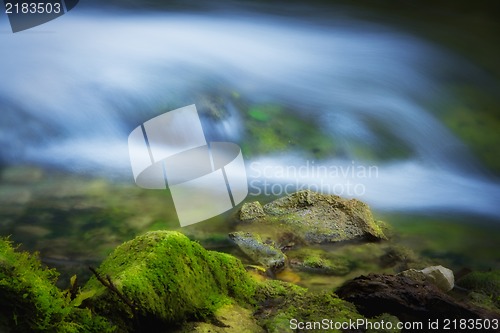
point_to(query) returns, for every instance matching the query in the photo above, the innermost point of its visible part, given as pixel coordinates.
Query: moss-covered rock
(316, 218)
(30, 301)
(251, 210)
(162, 278)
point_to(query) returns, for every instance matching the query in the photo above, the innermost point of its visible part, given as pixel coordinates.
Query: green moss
(30, 301)
(169, 279)
(230, 318)
(487, 283)
(273, 128)
(322, 262)
(475, 119)
(386, 318)
(283, 302)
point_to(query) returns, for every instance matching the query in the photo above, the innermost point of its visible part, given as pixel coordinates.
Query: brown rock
(407, 299)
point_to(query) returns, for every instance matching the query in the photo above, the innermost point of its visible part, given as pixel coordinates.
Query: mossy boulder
(262, 253)
(162, 278)
(316, 218)
(31, 302)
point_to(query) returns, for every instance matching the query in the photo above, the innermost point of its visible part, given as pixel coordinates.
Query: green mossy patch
(168, 279)
(31, 302)
(281, 302)
(230, 318)
(319, 261)
(476, 120)
(487, 283)
(273, 128)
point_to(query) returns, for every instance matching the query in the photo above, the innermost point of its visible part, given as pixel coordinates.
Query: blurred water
(73, 89)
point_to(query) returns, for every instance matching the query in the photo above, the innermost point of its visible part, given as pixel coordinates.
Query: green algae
(169, 279)
(31, 302)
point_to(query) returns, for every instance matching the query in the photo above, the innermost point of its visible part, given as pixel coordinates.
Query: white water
(73, 89)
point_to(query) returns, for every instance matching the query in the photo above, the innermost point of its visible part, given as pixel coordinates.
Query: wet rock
(316, 218)
(439, 276)
(265, 254)
(405, 298)
(251, 210)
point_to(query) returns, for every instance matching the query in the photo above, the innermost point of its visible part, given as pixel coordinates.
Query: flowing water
(73, 89)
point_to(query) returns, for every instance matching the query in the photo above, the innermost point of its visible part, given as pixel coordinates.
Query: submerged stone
(162, 278)
(265, 254)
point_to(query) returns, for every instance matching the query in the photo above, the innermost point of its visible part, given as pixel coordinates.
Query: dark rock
(406, 299)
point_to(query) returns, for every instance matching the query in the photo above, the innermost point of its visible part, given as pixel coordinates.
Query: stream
(72, 90)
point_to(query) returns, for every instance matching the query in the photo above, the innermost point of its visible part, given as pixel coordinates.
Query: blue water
(73, 89)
